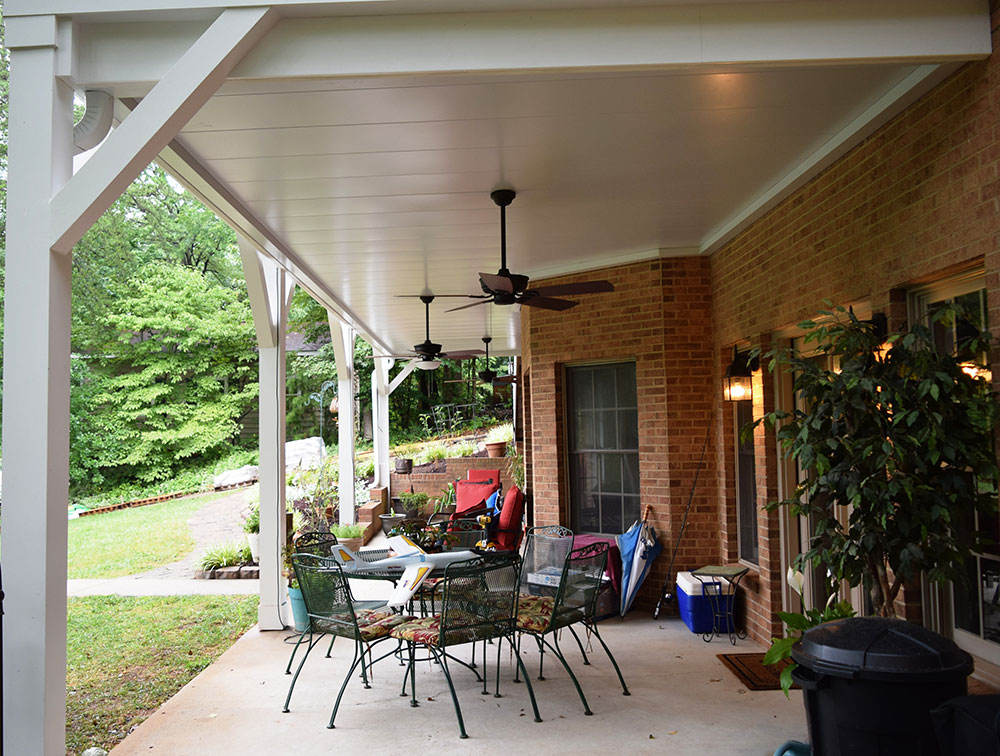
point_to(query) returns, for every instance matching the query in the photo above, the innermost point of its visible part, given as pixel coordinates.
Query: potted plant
(299, 614)
(403, 465)
(251, 526)
(351, 536)
(393, 518)
(413, 503)
(897, 443)
(497, 439)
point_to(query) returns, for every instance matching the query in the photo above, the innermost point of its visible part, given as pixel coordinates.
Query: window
(976, 600)
(603, 447)
(746, 484)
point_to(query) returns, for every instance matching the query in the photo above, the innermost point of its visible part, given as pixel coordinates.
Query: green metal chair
(319, 544)
(478, 603)
(333, 611)
(575, 601)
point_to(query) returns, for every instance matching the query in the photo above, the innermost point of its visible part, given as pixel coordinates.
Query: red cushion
(471, 495)
(492, 476)
(509, 533)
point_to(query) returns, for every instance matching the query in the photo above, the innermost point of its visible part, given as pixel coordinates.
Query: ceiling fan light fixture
(429, 364)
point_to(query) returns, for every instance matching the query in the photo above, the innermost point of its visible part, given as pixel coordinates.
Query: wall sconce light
(737, 381)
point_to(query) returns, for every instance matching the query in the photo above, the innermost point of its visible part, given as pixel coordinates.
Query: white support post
(270, 290)
(380, 421)
(343, 352)
(36, 406)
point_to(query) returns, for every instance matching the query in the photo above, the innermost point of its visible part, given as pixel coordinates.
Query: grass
(129, 541)
(126, 655)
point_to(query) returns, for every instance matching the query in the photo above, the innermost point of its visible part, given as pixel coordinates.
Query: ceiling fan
(487, 375)
(506, 288)
(428, 354)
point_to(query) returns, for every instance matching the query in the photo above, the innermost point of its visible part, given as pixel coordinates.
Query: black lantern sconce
(737, 381)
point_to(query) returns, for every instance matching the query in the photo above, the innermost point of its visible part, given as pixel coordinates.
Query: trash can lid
(877, 648)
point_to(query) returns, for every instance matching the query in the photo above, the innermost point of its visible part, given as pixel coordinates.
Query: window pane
(625, 382)
(746, 484)
(628, 429)
(967, 599)
(611, 514)
(990, 581)
(588, 518)
(582, 437)
(630, 473)
(611, 479)
(582, 388)
(632, 505)
(607, 429)
(604, 387)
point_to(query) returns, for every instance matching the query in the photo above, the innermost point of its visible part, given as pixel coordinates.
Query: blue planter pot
(299, 613)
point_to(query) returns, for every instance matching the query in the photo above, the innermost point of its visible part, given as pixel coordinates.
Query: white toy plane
(416, 564)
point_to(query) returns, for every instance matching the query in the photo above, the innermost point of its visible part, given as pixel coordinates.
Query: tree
(181, 377)
(897, 450)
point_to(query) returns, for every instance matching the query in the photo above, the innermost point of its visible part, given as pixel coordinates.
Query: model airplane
(416, 564)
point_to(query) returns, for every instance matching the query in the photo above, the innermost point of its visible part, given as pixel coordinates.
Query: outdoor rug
(752, 672)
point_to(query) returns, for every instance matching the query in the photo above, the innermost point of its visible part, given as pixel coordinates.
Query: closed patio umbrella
(639, 547)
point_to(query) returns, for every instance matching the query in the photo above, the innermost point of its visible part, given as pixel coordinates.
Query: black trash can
(869, 685)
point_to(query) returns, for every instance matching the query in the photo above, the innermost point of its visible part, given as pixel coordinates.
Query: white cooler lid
(694, 587)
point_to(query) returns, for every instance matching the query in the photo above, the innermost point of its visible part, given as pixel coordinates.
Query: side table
(723, 599)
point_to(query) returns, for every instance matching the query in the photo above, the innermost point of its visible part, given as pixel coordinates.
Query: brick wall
(432, 478)
(916, 200)
(658, 316)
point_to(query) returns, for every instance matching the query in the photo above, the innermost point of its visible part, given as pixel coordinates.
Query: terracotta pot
(352, 543)
(496, 449)
(403, 466)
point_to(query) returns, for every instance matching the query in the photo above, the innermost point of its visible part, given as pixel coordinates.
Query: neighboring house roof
(296, 342)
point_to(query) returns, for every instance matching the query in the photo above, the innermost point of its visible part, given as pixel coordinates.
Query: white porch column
(35, 400)
(270, 290)
(380, 421)
(343, 351)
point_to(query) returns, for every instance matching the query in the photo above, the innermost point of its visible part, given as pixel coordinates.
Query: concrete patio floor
(684, 701)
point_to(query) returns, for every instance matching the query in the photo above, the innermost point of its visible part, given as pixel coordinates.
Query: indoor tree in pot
(897, 451)
(897, 442)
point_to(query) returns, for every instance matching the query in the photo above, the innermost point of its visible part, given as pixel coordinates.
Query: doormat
(752, 671)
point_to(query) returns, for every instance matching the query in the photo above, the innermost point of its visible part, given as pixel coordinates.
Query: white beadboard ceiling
(378, 185)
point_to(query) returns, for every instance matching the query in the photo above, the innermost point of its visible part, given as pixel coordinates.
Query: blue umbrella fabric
(639, 547)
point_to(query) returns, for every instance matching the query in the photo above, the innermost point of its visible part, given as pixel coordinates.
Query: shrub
(347, 531)
(226, 555)
(252, 522)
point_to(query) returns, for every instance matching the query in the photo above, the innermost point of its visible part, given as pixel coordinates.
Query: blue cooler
(697, 605)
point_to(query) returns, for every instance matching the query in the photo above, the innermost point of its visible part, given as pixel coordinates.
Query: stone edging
(246, 572)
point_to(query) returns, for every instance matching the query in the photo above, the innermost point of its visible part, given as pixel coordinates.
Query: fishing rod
(666, 595)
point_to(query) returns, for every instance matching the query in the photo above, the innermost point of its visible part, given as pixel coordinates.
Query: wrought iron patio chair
(575, 601)
(320, 544)
(333, 611)
(478, 603)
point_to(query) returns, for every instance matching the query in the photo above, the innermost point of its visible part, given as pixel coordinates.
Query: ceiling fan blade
(394, 356)
(439, 296)
(505, 380)
(583, 287)
(496, 283)
(547, 303)
(474, 304)
(463, 354)
(460, 380)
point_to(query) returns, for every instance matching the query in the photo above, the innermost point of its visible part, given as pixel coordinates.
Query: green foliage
(252, 523)
(125, 656)
(897, 447)
(365, 467)
(430, 538)
(413, 501)
(515, 465)
(347, 531)
(797, 623)
(226, 555)
(181, 377)
(503, 432)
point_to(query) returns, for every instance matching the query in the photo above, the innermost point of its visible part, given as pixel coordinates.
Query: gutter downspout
(96, 122)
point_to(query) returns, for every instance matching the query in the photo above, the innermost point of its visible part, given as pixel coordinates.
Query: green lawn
(128, 541)
(127, 655)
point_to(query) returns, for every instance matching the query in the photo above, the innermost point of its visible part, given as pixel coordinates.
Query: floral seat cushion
(372, 623)
(534, 614)
(427, 631)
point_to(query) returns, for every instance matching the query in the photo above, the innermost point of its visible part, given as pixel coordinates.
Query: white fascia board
(609, 261)
(893, 102)
(682, 37)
